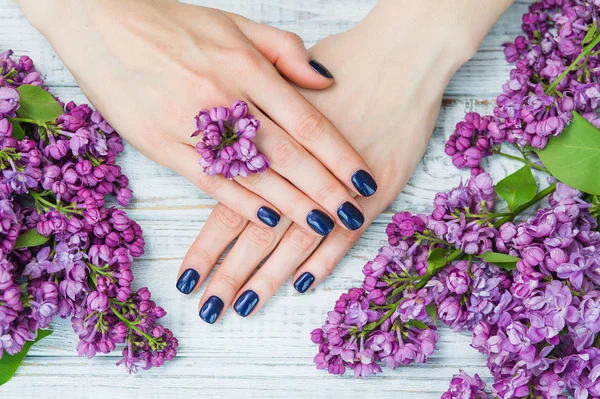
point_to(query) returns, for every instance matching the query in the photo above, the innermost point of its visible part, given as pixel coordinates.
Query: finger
(322, 261)
(286, 51)
(253, 245)
(296, 245)
(313, 131)
(307, 174)
(230, 193)
(294, 203)
(221, 228)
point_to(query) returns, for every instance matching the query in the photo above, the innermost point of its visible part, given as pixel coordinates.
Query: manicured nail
(320, 69)
(304, 282)
(246, 303)
(211, 309)
(188, 280)
(364, 183)
(350, 216)
(268, 216)
(319, 222)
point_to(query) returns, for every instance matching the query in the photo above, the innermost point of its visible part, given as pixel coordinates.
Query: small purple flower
(226, 147)
(9, 101)
(463, 386)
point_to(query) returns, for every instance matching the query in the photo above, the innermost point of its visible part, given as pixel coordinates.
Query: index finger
(312, 130)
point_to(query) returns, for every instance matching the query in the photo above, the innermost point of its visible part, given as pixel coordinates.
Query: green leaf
(10, 363)
(31, 238)
(589, 36)
(432, 312)
(503, 261)
(38, 104)
(518, 188)
(437, 259)
(417, 324)
(18, 132)
(574, 156)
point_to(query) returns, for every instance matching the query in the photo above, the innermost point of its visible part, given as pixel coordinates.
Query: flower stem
(423, 281)
(544, 193)
(133, 327)
(524, 160)
(584, 52)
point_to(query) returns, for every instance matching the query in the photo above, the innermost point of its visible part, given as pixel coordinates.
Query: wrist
(449, 31)
(56, 17)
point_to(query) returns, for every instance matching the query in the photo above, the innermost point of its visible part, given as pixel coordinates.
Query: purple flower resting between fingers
(226, 147)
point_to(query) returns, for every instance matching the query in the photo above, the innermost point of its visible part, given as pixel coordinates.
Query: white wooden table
(269, 355)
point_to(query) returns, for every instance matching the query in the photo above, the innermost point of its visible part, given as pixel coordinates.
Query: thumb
(286, 51)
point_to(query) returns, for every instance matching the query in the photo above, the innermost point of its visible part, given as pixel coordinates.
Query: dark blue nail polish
(188, 280)
(211, 309)
(364, 183)
(350, 216)
(320, 69)
(246, 303)
(319, 222)
(268, 216)
(304, 282)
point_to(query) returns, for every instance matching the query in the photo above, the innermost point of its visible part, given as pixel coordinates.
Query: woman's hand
(149, 66)
(385, 102)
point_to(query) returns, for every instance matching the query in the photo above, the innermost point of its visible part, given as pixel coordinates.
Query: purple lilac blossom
(226, 147)
(56, 184)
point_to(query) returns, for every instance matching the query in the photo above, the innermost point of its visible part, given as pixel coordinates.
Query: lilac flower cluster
(463, 386)
(537, 320)
(226, 147)
(556, 72)
(389, 319)
(63, 251)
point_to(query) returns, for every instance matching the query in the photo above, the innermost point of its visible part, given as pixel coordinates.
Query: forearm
(456, 27)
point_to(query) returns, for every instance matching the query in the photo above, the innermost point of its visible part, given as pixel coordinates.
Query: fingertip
(321, 70)
(304, 282)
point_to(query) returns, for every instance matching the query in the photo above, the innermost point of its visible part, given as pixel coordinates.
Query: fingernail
(319, 222)
(320, 69)
(350, 216)
(268, 216)
(364, 183)
(246, 303)
(188, 280)
(304, 282)
(211, 309)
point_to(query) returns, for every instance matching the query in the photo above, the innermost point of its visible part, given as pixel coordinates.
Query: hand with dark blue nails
(389, 128)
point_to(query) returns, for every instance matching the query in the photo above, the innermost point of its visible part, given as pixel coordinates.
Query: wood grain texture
(270, 355)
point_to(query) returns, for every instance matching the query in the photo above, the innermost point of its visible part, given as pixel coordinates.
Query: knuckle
(227, 219)
(261, 237)
(252, 180)
(198, 252)
(329, 190)
(350, 237)
(291, 39)
(228, 280)
(326, 263)
(271, 283)
(211, 86)
(310, 126)
(284, 152)
(249, 57)
(301, 239)
(210, 184)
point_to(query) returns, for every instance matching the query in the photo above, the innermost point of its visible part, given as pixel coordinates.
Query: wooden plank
(270, 355)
